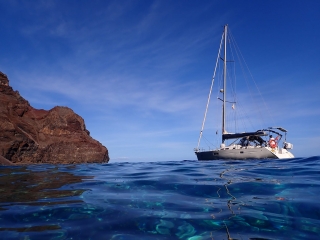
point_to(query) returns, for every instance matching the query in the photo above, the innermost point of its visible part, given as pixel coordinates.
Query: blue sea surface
(252, 199)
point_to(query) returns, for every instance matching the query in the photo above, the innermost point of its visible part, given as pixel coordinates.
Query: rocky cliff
(29, 135)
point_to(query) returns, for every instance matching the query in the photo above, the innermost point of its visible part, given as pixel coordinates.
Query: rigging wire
(208, 142)
(213, 77)
(243, 116)
(240, 56)
(246, 80)
(232, 76)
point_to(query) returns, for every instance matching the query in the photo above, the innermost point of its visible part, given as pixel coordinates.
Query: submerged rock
(29, 135)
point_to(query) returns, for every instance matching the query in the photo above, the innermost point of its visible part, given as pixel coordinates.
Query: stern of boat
(280, 153)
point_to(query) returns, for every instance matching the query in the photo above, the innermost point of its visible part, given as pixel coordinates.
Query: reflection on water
(167, 200)
(21, 187)
(20, 184)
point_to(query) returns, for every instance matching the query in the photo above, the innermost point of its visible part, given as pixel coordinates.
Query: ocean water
(253, 199)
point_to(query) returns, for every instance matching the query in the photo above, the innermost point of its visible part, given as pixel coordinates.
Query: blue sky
(139, 72)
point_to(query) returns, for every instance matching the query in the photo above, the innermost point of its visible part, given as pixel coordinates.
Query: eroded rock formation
(29, 135)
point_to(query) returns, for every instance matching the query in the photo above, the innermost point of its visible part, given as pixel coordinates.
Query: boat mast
(224, 82)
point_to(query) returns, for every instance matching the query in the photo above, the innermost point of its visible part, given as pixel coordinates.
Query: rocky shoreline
(30, 136)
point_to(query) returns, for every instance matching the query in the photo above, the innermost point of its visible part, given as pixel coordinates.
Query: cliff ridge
(29, 135)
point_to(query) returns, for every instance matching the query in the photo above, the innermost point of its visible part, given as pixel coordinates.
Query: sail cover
(240, 135)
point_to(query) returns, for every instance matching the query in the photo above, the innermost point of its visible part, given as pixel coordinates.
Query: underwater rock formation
(29, 135)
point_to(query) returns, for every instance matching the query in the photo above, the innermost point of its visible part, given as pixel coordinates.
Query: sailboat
(263, 143)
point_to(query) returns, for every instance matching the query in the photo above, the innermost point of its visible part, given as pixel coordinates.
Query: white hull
(244, 153)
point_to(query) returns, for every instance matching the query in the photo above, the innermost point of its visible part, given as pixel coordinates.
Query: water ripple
(256, 199)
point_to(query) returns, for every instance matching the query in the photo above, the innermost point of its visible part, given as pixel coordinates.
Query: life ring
(272, 143)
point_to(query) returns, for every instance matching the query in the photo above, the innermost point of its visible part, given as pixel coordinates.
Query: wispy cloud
(164, 96)
(132, 66)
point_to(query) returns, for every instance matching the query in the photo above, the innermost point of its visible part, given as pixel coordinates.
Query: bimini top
(279, 128)
(245, 134)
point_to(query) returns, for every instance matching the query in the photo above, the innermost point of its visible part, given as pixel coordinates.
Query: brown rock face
(29, 135)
